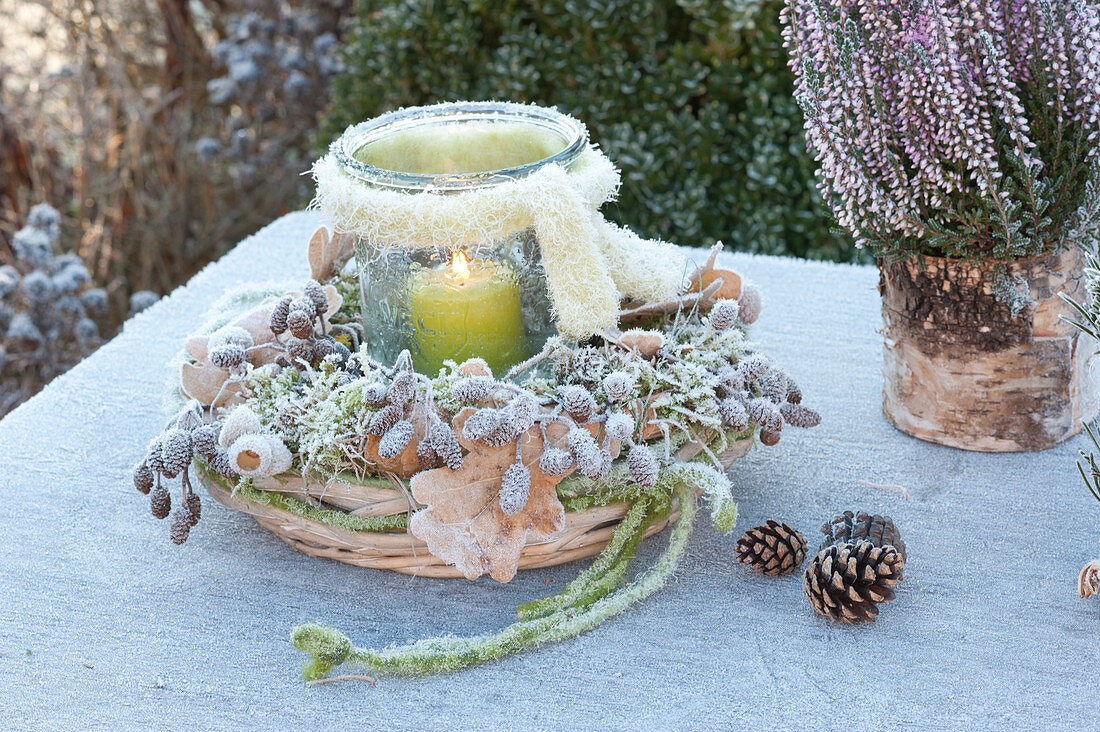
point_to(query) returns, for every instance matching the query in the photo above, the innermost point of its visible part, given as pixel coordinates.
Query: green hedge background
(692, 99)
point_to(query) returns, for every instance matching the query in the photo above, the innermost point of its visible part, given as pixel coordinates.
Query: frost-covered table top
(104, 622)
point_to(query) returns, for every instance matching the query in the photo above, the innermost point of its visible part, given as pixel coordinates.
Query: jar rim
(574, 136)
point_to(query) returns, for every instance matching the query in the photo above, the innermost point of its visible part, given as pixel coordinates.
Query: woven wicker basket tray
(585, 533)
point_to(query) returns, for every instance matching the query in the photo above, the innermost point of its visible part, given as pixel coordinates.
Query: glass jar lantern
(455, 299)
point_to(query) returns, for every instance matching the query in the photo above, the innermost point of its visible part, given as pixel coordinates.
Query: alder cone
(773, 549)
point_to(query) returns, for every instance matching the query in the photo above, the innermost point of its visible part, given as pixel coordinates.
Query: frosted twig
(349, 677)
(888, 486)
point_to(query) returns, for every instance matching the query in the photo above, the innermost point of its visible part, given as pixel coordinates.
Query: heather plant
(692, 100)
(962, 128)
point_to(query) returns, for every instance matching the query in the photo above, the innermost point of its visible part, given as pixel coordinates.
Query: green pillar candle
(468, 309)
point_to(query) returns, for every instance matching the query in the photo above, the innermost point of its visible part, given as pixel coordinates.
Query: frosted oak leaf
(463, 523)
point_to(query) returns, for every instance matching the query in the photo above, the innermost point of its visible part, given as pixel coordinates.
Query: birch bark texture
(960, 370)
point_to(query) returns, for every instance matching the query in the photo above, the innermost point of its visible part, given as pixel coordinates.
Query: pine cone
(859, 564)
(445, 445)
(205, 440)
(774, 549)
(396, 439)
(848, 528)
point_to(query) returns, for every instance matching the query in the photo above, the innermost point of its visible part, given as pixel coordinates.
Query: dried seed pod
(515, 488)
(773, 549)
(729, 379)
(205, 440)
(555, 461)
(445, 445)
(750, 303)
(277, 319)
(143, 477)
(643, 466)
(753, 366)
(241, 421)
(153, 456)
(766, 414)
(228, 356)
(300, 323)
(395, 440)
(299, 350)
(384, 419)
(773, 386)
(733, 413)
(160, 501)
(578, 401)
(375, 394)
(586, 453)
(323, 348)
(316, 294)
(769, 438)
(473, 389)
(618, 426)
(794, 392)
(181, 526)
(303, 304)
(481, 424)
(259, 456)
(426, 456)
(229, 335)
(799, 416)
(617, 385)
(176, 451)
(222, 465)
(723, 315)
(403, 389)
(194, 508)
(645, 342)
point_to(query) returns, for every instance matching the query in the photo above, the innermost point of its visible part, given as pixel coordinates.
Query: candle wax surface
(460, 148)
(458, 318)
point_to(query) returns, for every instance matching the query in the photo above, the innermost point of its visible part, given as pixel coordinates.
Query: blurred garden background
(161, 132)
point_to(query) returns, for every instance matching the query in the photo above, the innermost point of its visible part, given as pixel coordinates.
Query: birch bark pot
(960, 371)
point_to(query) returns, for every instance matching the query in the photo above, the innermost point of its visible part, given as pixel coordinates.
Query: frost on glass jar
(439, 290)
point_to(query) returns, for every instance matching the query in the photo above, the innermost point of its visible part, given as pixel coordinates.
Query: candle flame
(459, 267)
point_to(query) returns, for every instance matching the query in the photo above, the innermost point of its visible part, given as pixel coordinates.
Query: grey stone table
(105, 623)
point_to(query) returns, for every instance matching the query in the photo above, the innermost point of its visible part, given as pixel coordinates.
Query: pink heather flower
(964, 127)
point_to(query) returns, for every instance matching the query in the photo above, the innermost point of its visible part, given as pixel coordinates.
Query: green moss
(449, 653)
(245, 490)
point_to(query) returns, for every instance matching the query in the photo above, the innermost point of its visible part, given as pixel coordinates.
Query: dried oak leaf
(463, 523)
(327, 252)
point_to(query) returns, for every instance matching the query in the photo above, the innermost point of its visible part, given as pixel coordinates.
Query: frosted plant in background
(49, 316)
(276, 61)
(952, 127)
